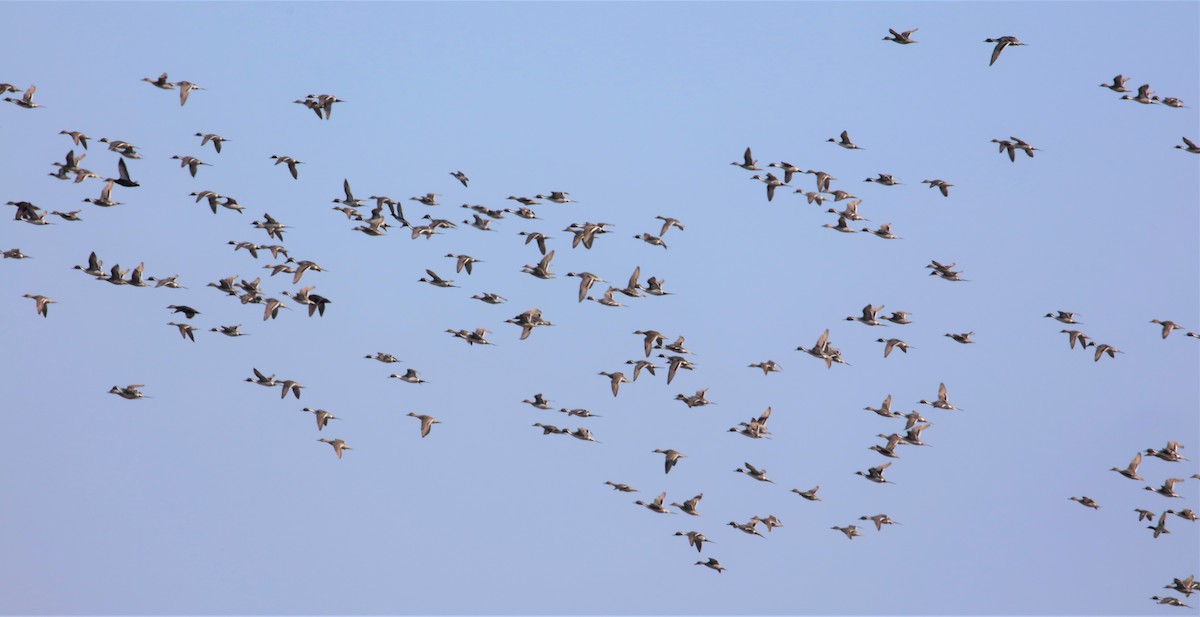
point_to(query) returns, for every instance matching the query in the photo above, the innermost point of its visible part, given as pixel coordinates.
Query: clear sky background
(214, 496)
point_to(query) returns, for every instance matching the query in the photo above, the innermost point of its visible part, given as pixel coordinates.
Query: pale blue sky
(215, 497)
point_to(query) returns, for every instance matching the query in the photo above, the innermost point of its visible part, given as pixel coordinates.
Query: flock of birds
(379, 215)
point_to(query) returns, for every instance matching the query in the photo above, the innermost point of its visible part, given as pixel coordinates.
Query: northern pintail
(941, 185)
(542, 269)
(550, 429)
(885, 408)
(712, 564)
(851, 531)
(844, 141)
(1074, 336)
(1086, 502)
(1118, 84)
(813, 197)
(1064, 317)
(185, 88)
(166, 281)
(216, 140)
(913, 435)
(528, 320)
(633, 288)
(1170, 601)
(1144, 515)
(428, 199)
(654, 287)
(668, 223)
(656, 505)
(696, 400)
(323, 103)
(187, 331)
(638, 365)
(655, 240)
(95, 266)
(607, 299)
(480, 223)
(824, 351)
(880, 520)
(748, 163)
(1007, 146)
(823, 179)
(753, 472)
(674, 363)
(1020, 144)
(427, 422)
(586, 234)
(386, 358)
(230, 331)
(323, 417)
(489, 298)
(671, 458)
(767, 367)
(289, 385)
(461, 177)
(1167, 489)
(964, 337)
(77, 137)
(538, 402)
(533, 236)
(749, 527)
(303, 266)
(262, 380)
(524, 213)
(624, 488)
(942, 402)
(291, 164)
(586, 280)
(105, 199)
(875, 474)
(850, 213)
(756, 428)
(15, 254)
(26, 100)
(191, 162)
(524, 201)
(884, 179)
(695, 538)
(1189, 146)
(1171, 101)
(160, 82)
(557, 197)
(1185, 586)
(338, 446)
(1001, 43)
(888, 450)
(893, 343)
(41, 304)
(1105, 348)
(130, 392)
(652, 339)
(1143, 96)
(271, 308)
(579, 413)
(810, 494)
(1131, 471)
(478, 336)
(73, 215)
(841, 226)
(409, 376)
(771, 181)
(1169, 453)
(1186, 514)
(1167, 326)
(616, 379)
(771, 522)
(868, 316)
(903, 38)
(689, 506)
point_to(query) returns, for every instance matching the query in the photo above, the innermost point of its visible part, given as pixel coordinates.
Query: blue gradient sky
(215, 497)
